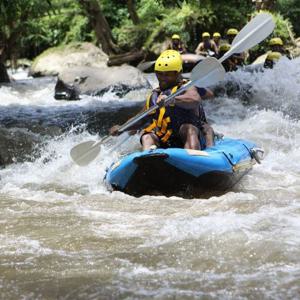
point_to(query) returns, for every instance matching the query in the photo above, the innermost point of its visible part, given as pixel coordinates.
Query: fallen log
(132, 58)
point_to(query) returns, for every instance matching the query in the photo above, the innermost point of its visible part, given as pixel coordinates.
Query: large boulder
(54, 60)
(74, 81)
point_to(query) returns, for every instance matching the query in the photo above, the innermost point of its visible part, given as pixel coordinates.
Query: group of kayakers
(218, 46)
(183, 123)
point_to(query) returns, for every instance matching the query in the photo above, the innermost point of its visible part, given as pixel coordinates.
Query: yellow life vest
(161, 122)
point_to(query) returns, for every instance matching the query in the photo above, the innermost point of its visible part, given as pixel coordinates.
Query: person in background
(177, 44)
(231, 34)
(230, 64)
(240, 58)
(276, 45)
(217, 38)
(183, 122)
(271, 59)
(207, 47)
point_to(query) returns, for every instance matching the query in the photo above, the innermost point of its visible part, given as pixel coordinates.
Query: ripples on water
(64, 236)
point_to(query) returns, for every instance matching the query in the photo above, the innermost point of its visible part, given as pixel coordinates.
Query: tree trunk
(132, 12)
(131, 58)
(100, 25)
(3, 72)
(9, 44)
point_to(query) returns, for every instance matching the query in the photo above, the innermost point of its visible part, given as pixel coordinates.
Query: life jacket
(178, 47)
(208, 46)
(161, 122)
(166, 119)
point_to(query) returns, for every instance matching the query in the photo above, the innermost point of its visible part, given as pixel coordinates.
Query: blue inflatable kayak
(175, 171)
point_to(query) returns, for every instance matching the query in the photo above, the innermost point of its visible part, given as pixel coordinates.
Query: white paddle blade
(82, 154)
(143, 66)
(254, 32)
(207, 72)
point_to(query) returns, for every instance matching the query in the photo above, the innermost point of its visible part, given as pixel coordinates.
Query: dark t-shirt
(201, 91)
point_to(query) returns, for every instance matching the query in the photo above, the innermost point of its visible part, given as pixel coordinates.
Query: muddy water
(63, 235)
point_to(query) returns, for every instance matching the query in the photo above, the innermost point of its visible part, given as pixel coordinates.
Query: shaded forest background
(28, 27)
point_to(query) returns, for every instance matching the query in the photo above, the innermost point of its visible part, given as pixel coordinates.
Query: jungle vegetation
(28, 27)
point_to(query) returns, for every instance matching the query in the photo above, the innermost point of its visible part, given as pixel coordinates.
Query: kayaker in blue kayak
(182, 123)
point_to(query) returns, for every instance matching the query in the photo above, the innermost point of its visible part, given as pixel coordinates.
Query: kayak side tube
(217, 167)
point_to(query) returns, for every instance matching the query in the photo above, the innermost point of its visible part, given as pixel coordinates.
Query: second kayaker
(207, 47)
(177, 44)
(182, 123)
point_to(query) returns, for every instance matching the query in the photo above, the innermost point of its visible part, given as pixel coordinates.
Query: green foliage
(115, 11)
(30, 26)
(159, 22)
(63, 25)
(149, 10)
(230, 14)
(290, 9)
(43, 24)
(281, 30)
(131, 36)
(161, 18)
(79, 30)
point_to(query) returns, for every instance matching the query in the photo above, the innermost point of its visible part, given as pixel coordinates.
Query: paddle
(206, 72)
(145, 65)
(253, 33)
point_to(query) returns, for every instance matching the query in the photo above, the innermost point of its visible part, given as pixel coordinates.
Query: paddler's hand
(160, 98)
(132, 132)
(114, 131)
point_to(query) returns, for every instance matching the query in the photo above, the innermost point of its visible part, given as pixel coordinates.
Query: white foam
(276, 132)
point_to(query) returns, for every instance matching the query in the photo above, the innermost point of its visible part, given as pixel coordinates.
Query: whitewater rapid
(64, 235)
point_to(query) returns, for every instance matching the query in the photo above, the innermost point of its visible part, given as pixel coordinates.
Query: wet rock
(16, 145)
(233, 88)
(52, 61)
(96, 81)
(66, 91)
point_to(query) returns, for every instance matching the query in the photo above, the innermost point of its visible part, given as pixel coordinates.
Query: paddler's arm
(183, 49)
(199, 48)
(192, 97)
(215, 48)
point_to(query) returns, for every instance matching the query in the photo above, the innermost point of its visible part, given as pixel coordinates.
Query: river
(63, 235)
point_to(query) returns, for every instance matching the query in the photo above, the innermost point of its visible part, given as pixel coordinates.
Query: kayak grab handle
(258, 154)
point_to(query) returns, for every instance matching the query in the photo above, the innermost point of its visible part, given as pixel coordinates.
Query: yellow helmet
(169, 60)
(175, 37)
(276, 42)
(205, 34)
(217, 34)
(273, 56)
(224, 47)
(232, 31)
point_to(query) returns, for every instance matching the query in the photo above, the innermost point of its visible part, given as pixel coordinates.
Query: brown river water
(63, 235)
